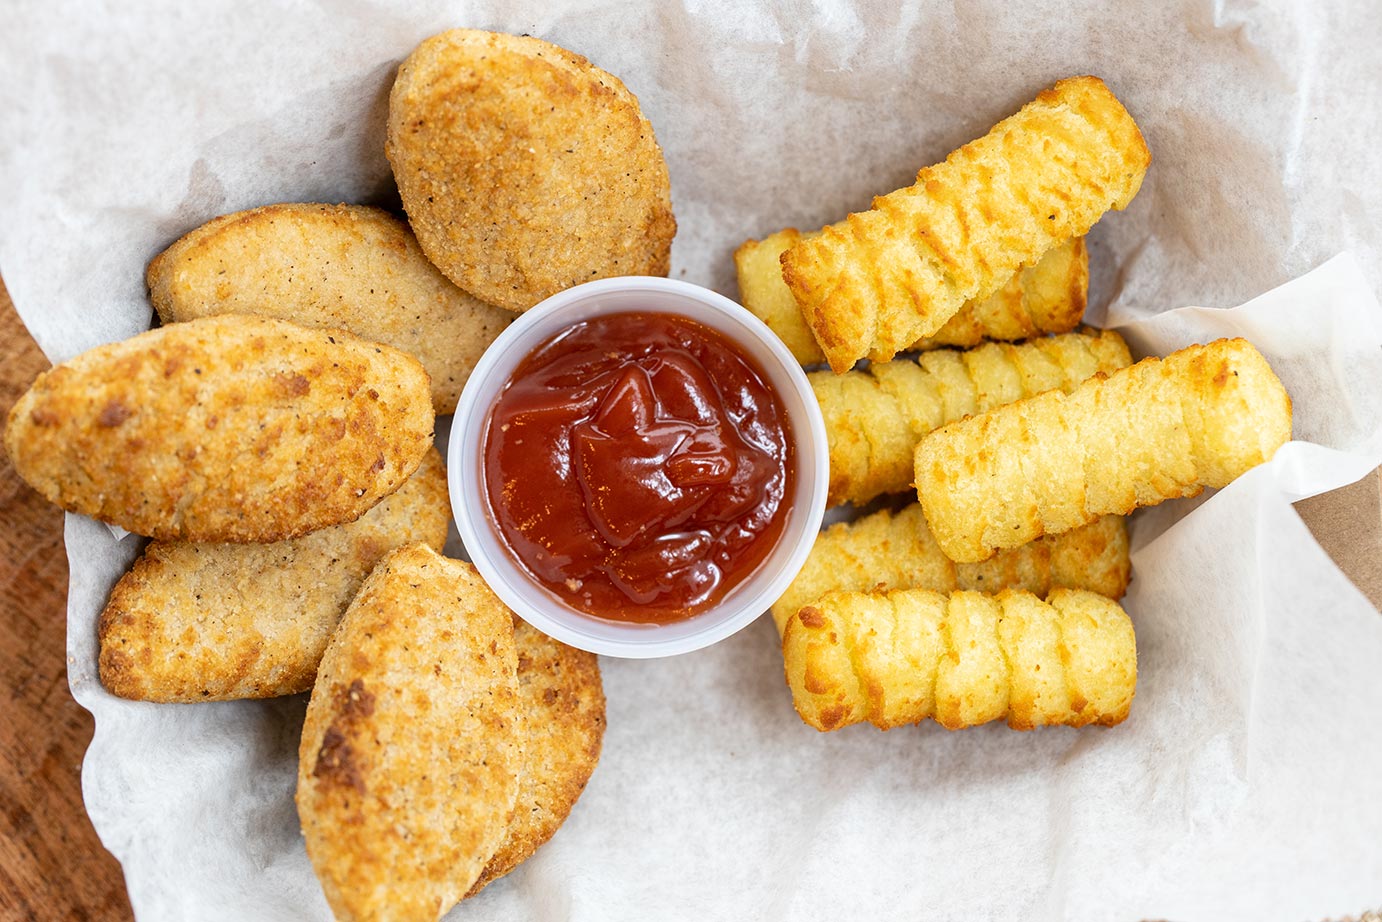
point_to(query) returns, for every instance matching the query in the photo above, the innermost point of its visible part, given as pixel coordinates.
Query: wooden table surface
(52, 865)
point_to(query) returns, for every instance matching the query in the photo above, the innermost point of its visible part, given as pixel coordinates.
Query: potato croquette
(413, 742)
(346, 267)
(1159, 430)
(1046, 298)
(875, 417)
(217, 622)
(889, 550)
(524, 169)
(564, 714)
(962, 659)
(230, 428)
(878, 281)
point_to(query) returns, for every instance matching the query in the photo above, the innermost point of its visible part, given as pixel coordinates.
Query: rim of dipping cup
(520, 590)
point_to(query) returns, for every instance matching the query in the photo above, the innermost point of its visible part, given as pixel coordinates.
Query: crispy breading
(524, 169)
(874, 417)
(888, 550)
(217, 622)
(346, 267)
(230, 428)
(1046, 298)
(963, 659)
(560, 692)
(1161, 429)
(880, 280)
(413, 741)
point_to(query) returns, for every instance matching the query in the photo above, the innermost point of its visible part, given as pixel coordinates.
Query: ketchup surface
(637, 465)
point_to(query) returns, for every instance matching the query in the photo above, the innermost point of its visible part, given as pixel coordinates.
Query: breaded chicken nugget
(962, 659)
(1046, 298)
(346, 267)
(230, 428)
(878, 281)
(889, 550)
(413, 742)
(564, 713)
(1162, 429)
(524, 169)
(874, 417)
(215, 622)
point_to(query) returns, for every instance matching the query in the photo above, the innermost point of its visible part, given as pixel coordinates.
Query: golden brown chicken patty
(413, 743)
(564, 714)
(524, 169)
(347, 267)
(216, 622)
(230, 428)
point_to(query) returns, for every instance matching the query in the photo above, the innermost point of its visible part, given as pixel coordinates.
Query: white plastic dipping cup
(519, 589)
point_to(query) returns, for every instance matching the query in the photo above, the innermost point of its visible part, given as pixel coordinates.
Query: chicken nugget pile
(275, 438)
(1023, 456)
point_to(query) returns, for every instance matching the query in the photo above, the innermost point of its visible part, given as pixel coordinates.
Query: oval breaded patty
(564, 712)
(217, 622)
(412, 745)
(524, 169)
(230, 428)
(347, 267)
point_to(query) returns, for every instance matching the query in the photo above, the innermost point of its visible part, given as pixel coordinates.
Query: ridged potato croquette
(229, 428)
(347, 267)
(889, 550)
(962, 659)
(1049, 297)
(413, 743)
(560, 692)
(882, 279)
(874, 417)
(524, 169)
(1161, 429)
(217, 622)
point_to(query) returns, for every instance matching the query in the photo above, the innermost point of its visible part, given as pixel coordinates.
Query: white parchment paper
(1246, 783)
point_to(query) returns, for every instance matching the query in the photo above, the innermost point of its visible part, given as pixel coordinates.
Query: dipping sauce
(637, 464)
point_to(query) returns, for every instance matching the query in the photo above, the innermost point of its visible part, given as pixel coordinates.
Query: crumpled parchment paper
(1245, 785)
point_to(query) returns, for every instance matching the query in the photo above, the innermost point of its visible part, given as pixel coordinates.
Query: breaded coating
(413, 742)
(345, 267)
(1049, 297)
(878, 281)
(963, 659)
(217, 622)
(230, 428)
(889, 550)
(563, 701)
(524, 169)
(1162, 429)
(874, 417)
(227, 429)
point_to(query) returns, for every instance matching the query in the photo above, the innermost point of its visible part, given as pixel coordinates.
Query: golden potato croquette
(1161, 429)
(346, 267)
(962, 659)
(889, 550)
(230, 428)
(875, 416)
(880, 280)
(563, 702)
(1046, 298)
(216, 622)
(413, 742)
(524, 169)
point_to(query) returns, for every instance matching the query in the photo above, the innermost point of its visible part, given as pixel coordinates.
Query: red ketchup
(637, 466)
